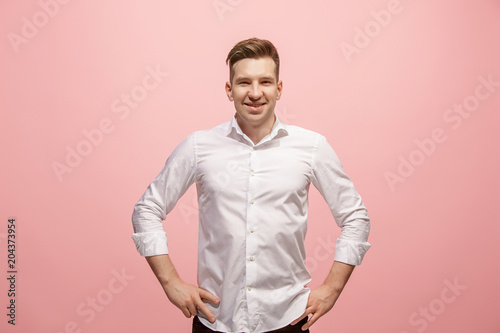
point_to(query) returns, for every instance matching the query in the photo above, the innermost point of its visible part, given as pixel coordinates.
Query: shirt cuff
(350, 252)
(151, 243)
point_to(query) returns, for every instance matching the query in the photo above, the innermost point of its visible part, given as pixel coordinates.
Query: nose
(255, 93)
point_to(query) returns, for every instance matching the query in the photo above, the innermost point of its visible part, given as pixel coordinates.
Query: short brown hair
(252, 48)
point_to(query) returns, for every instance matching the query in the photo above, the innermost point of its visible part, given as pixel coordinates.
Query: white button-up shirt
(253, 206)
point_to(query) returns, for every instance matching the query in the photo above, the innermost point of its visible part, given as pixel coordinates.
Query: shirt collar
(234, 132)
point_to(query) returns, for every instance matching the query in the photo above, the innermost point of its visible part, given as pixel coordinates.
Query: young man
(252, 275)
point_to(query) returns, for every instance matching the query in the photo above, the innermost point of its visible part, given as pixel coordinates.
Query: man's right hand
(189, 298)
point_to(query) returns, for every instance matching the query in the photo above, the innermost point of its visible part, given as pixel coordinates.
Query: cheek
(272, 97)
(238, 95)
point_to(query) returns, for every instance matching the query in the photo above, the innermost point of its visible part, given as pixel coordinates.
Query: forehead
(255, 68)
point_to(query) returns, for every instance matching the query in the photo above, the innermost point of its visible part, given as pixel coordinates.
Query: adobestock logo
(363, 36)
(222, 179)
(99, 301)
(122, 107)
(324, 251)
(427, 314)
(221, 7)
(188, 207)
(30, 28)
(454, 117)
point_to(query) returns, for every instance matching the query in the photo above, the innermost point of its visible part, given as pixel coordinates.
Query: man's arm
(322, 299)
(350, 214)
(150, 239)
(187, 297)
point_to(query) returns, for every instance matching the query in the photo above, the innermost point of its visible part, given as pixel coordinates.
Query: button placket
(251, 268)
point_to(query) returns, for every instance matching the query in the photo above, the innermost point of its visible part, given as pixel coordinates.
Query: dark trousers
(198, 327)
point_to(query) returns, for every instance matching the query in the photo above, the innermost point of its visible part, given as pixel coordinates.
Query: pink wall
(384, 81)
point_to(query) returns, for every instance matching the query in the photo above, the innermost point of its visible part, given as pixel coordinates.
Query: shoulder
(219, 130)
(311, 137)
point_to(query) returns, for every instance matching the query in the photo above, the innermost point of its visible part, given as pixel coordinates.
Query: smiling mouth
(255, 106)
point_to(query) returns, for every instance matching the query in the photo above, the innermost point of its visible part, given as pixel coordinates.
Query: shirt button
(251, 258)
(251, 202)
(252, 230)
(249, 288)
(252, 173)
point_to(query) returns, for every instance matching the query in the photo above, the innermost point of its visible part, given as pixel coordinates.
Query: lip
(255, 107)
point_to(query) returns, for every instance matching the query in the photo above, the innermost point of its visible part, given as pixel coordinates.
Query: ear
(280, 89)
(229, 91)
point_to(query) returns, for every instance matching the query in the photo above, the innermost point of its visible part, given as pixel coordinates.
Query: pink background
(434, 227)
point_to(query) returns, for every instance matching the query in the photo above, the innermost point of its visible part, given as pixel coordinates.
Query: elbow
(146, 218)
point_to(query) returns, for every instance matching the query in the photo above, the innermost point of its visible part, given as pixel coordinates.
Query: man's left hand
(321, 300)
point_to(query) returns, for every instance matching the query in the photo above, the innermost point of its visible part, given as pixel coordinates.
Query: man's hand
(189, 298)
(322, 299)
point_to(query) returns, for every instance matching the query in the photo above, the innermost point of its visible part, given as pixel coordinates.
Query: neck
(257, 133)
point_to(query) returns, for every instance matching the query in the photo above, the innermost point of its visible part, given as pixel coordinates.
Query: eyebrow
(241, 78)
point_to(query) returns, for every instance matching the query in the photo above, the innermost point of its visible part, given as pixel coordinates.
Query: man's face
(254, 91)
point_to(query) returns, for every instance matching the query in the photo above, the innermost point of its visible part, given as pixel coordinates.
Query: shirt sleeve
(160, 198)
(344, 202)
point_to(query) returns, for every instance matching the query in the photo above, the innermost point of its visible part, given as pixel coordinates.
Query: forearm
(322, 299)
(163, 268)
(338, 276)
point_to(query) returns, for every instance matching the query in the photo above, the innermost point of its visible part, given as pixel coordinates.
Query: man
(252, 177)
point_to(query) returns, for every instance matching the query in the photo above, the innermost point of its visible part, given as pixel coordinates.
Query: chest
(275, 168)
